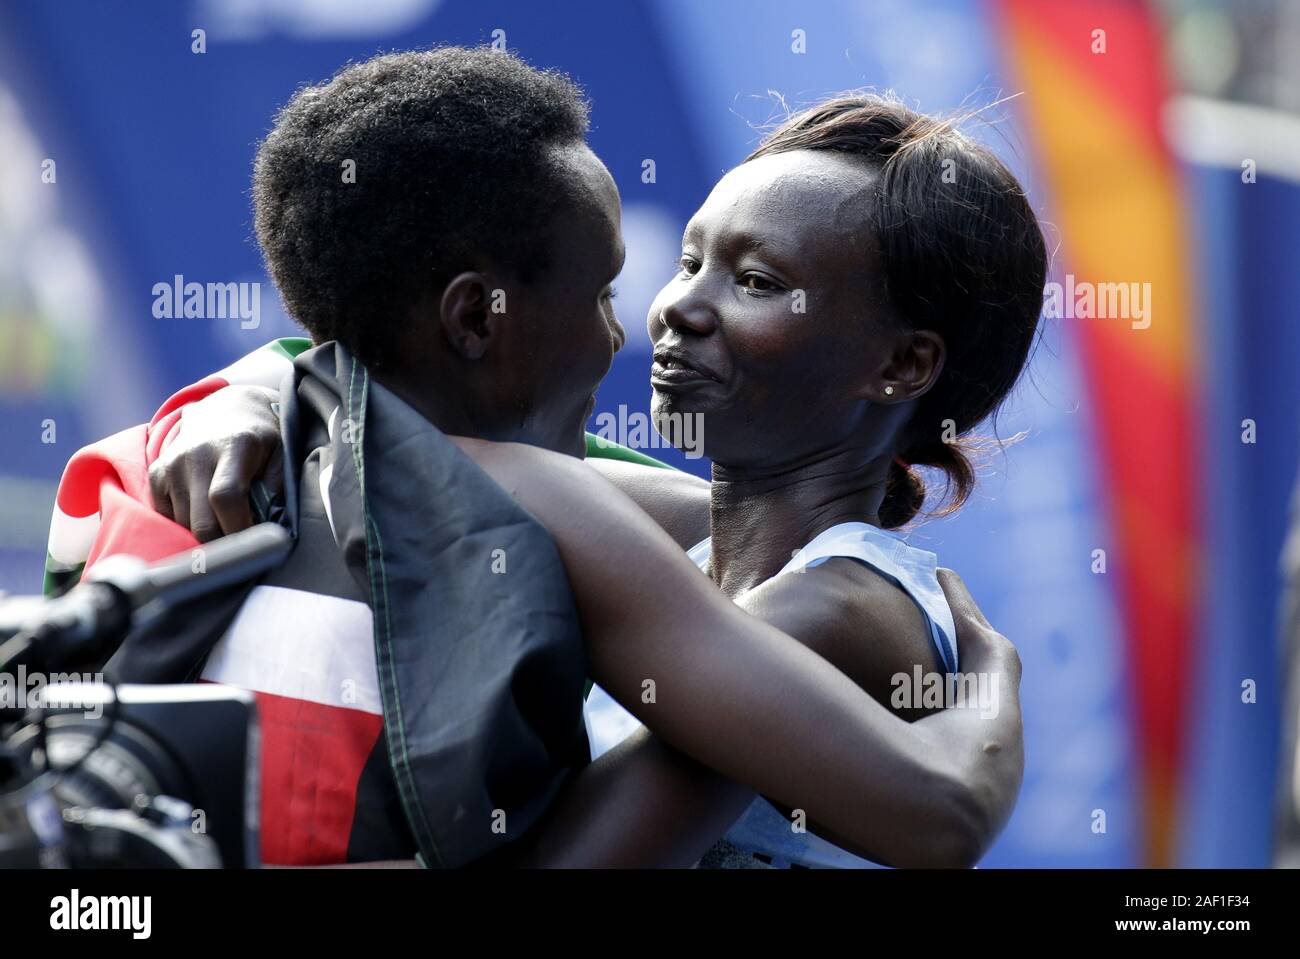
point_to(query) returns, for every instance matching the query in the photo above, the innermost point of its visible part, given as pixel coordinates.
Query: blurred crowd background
(1129, 544)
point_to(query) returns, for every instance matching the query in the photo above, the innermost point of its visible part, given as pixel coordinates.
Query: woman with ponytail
(852, 300)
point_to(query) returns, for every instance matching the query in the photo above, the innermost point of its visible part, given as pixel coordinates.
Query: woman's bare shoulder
(845, 611)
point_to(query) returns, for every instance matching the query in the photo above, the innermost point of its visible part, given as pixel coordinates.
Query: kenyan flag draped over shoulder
(104, 505)
(455, 646)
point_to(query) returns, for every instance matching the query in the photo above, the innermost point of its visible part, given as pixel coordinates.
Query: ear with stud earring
(889, 391)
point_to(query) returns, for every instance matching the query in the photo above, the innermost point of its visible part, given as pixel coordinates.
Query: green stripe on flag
(600, 448)
(290, 346)
(60, 578)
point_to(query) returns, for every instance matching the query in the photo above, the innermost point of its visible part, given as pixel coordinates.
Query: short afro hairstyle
(449, 147)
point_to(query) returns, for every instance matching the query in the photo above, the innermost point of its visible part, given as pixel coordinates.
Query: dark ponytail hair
(963, 256)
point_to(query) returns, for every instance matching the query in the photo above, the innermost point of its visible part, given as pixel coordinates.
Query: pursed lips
(673, 366)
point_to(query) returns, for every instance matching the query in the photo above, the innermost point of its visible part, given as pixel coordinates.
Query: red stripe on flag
(126, 456)
(190, 394)
(130, 527)
(312, 758)
(117, 456)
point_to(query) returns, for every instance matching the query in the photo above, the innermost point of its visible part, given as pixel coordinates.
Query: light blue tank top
(763, 830)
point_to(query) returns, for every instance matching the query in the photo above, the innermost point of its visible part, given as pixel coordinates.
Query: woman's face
(774, 331)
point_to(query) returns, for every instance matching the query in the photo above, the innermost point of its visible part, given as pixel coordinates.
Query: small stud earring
(889, 391)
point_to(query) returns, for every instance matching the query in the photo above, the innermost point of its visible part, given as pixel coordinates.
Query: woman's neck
(760, 517)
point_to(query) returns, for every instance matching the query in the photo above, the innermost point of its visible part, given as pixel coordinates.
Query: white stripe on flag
(326, 472)
(71, 537)
(608, 723)
(289, 642)
(263, 367)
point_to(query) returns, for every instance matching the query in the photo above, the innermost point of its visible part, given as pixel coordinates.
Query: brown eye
(757, 283)
(688, 265)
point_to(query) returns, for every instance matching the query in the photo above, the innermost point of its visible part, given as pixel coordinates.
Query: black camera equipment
(98, 774)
